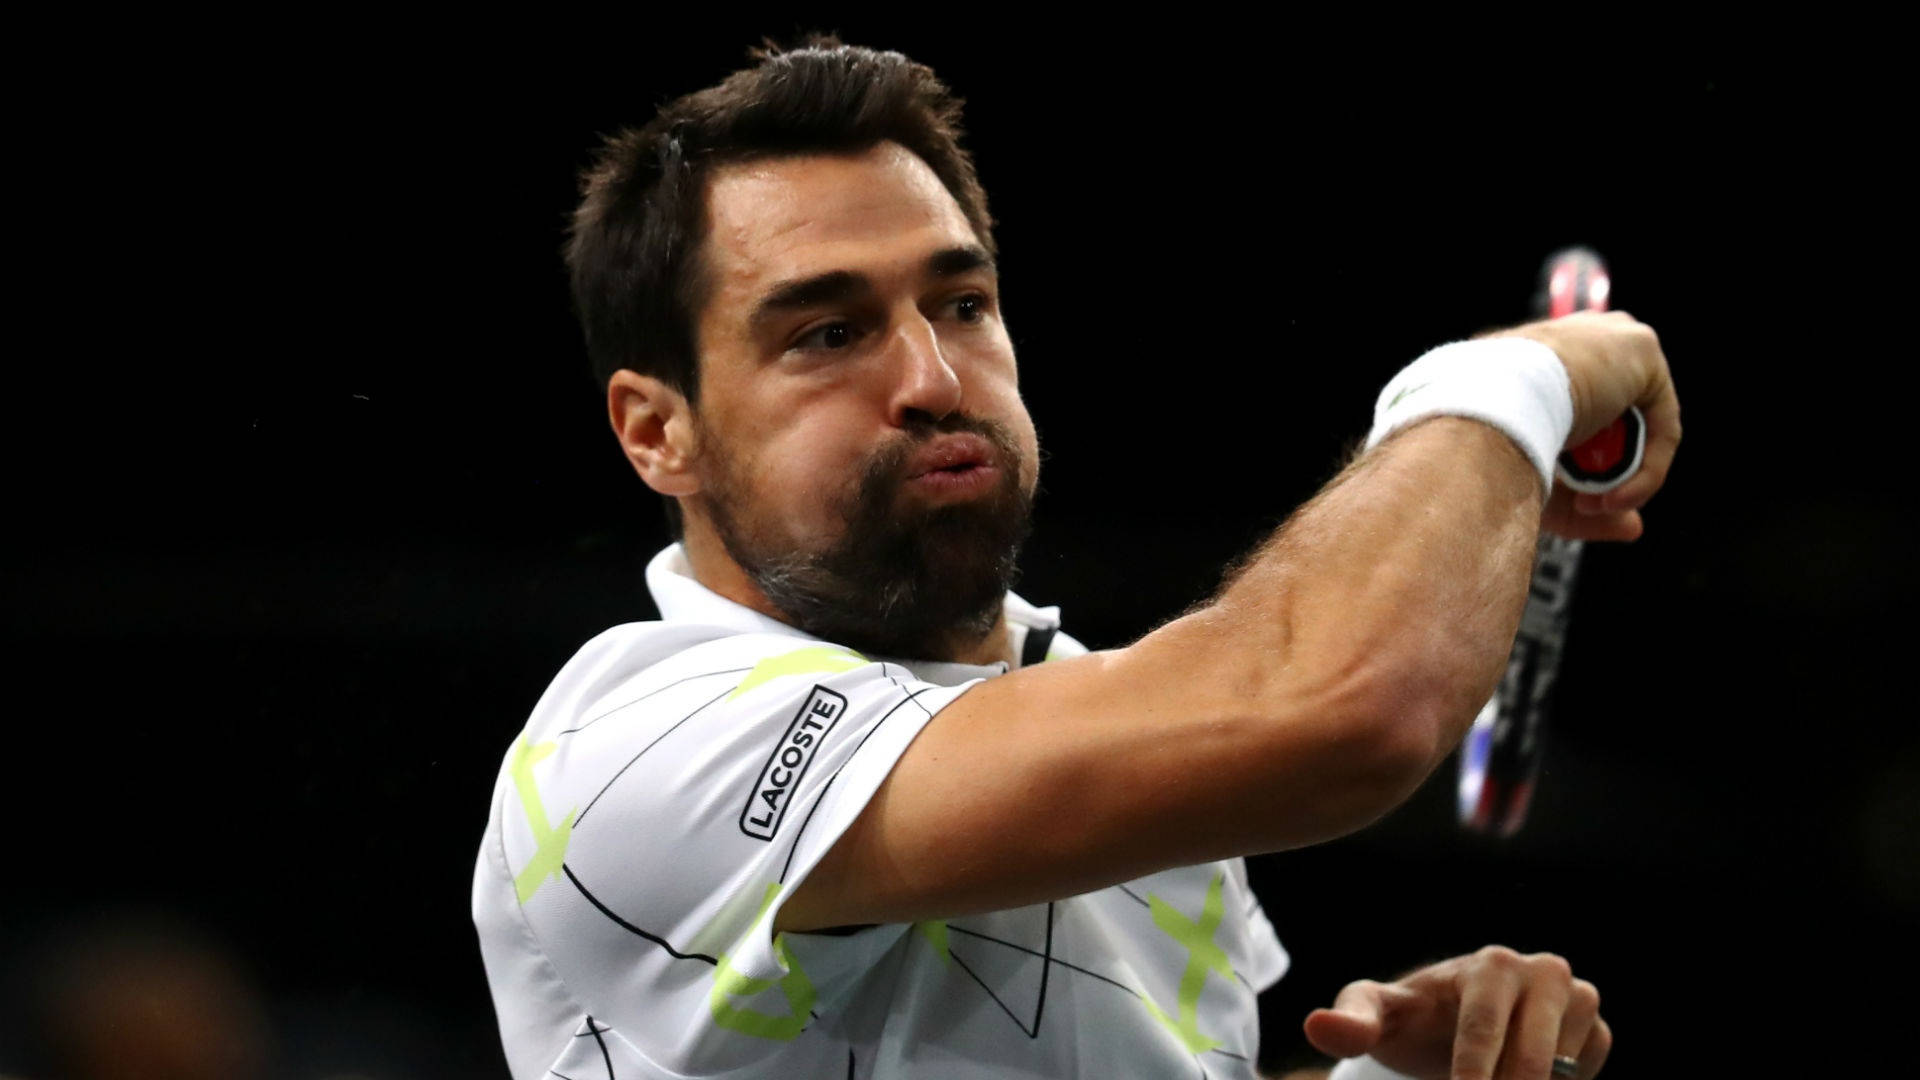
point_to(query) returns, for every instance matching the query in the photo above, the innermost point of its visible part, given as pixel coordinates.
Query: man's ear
(654, 423)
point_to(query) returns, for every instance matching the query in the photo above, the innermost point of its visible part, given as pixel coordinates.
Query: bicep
(1081, 773)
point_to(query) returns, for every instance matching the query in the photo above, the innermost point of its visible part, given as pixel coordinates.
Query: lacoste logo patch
(767, 803)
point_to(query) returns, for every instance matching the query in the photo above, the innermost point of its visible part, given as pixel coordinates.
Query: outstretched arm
(1311, 696)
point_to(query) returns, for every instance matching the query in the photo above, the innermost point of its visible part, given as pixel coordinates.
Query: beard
(918, 582)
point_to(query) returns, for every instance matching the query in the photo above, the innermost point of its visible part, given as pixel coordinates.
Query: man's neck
(715, 569)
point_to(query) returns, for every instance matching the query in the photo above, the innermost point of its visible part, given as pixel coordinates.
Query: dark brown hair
(634, 247)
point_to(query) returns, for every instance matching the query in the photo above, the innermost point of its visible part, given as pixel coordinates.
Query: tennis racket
(1500, 760)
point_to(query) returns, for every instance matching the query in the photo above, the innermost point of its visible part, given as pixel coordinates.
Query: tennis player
(853, 808)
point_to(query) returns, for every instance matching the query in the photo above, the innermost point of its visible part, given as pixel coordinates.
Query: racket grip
(1607, 460)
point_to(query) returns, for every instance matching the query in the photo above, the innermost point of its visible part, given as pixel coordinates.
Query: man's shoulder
(633, 657)
(624, 687)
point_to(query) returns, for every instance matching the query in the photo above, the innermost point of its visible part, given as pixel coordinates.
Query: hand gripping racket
(1500, 760)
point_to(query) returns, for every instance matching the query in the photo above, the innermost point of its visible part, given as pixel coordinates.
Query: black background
(315, 493)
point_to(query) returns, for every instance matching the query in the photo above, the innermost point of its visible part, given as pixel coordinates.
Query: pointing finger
(1361, 1013)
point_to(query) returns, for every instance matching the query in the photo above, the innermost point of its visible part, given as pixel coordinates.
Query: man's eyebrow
(832, 287)
(839, 286)
(953, 262)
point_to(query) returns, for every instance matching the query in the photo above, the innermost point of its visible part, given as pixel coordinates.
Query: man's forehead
(782, 217)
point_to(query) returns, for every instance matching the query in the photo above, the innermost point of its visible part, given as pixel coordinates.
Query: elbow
(1406, 726)
(1371, 747)
(1406, 742)
(1423, 693)
(1416, 723)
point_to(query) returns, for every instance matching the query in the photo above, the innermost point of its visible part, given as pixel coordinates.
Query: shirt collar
(682, 599)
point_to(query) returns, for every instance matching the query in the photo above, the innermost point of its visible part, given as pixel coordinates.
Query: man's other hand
(1491, 1015)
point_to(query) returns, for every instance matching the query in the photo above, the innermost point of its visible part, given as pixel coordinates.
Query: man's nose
(924, 381)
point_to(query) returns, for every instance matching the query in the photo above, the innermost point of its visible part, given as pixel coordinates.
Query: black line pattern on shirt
(1046, 956)
(836, 775)
(1074, 967)
(996, 997)
(561, 1075)
(604, 1055)
(655, 938)
(663, 942)
(643, 750)
(1034, 952)
(648, 694)
(824, 788)
(608, 912)
(903, 688)
(1046, 969)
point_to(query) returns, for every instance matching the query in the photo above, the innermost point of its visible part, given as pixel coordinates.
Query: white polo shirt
(680, 778)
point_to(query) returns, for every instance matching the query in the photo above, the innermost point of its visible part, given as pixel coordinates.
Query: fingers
(1336, 1034)
(1518, 1012)
(1363, 1012)
(1491, 1015)
(1593, 1053)
(1661, 406)
(1493, 983)
(1577, 516)
(1533, 1036)
(1624, 526)
(1613, 361)
(1352, 1026)
(1580, 1026)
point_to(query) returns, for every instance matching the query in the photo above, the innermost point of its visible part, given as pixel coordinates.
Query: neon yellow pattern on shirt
(799, 662)
(935, 931)
(1202, 956)
(729, 983)
(549, 843)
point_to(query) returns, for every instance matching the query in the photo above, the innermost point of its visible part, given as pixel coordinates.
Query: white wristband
(1364, 1068)
(1515, 384)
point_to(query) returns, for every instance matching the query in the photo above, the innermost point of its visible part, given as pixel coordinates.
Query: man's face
(864, 454)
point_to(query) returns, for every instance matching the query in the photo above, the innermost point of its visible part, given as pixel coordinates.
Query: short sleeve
(664, 825)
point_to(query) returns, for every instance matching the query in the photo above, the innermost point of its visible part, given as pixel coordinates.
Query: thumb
(1357, 1019)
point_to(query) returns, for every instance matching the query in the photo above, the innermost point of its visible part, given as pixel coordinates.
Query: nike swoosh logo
(1404, 393)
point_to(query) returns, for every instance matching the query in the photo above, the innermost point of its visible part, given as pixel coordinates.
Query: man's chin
(923, 599)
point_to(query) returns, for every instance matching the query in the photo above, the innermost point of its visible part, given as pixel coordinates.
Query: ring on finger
(1565, 1066)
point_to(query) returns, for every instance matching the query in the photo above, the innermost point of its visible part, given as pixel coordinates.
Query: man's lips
(960, 453)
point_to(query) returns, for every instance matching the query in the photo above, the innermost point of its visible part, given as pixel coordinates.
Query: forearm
(1396, 592)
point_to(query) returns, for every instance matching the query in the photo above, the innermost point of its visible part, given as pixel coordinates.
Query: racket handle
(1607, 460)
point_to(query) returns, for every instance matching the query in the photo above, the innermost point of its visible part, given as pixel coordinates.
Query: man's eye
(971, 309)
(837, 335)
